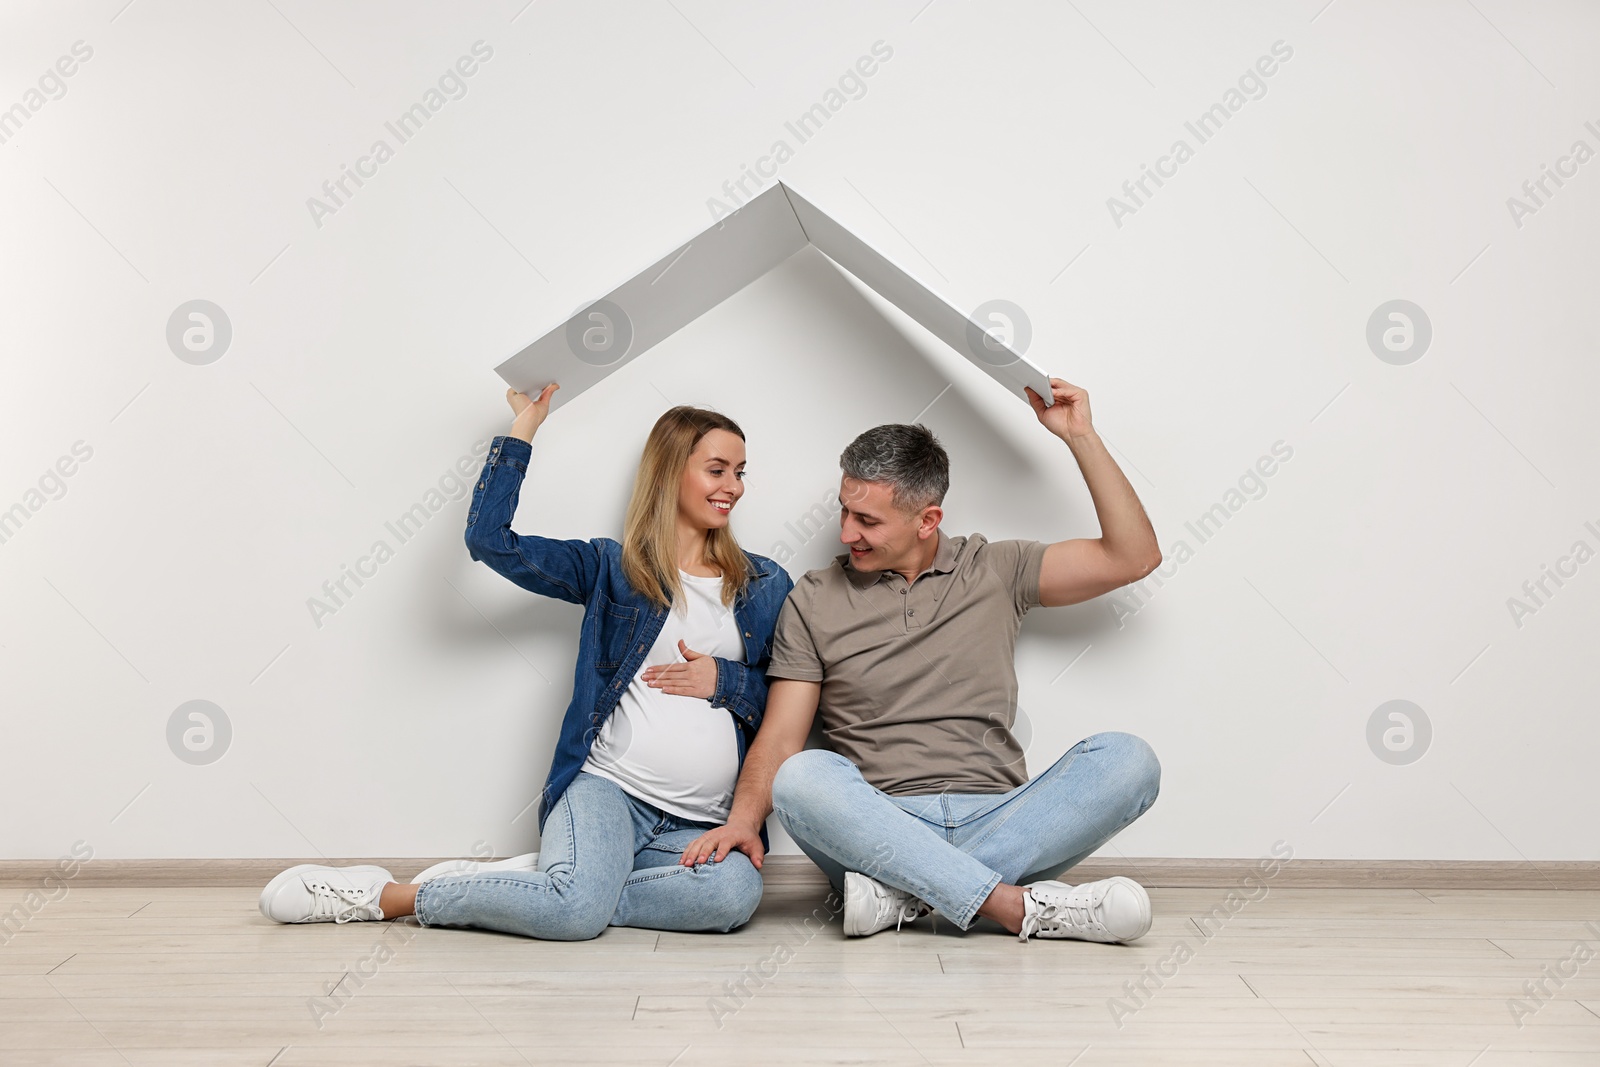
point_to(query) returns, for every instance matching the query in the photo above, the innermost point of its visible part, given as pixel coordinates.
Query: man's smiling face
(878, 533)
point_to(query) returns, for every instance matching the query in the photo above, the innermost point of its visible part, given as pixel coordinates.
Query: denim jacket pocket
(616, 625)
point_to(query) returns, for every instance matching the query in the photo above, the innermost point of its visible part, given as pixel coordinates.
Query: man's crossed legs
(955, 851)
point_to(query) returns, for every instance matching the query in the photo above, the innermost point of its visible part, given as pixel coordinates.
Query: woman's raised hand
(530, 414)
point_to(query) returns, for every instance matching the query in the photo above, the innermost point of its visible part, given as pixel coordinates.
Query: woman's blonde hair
(650, 531)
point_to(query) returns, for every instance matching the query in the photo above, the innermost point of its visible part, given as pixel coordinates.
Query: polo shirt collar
(944, 561)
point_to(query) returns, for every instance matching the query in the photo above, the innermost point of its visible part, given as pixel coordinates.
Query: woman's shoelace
(341, 902)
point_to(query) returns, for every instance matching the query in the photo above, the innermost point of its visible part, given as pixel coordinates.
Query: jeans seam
(417, 904)
(657, 874)
(943, 822)
(1000, 798)
(969, 913)
(496, 879)
(1027, 790)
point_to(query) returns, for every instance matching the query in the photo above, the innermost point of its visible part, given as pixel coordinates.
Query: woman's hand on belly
(697, 677)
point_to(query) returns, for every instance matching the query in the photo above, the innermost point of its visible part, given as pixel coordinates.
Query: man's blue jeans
(952, 849)
(606, 859)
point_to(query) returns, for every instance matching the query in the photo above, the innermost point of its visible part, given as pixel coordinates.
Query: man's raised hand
(1068, 416)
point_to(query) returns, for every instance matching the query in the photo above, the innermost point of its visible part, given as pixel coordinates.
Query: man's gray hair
(908, 458)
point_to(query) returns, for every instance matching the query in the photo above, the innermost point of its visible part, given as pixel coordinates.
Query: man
(921, 800)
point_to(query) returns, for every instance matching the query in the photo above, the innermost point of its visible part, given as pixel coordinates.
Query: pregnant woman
(667, 695)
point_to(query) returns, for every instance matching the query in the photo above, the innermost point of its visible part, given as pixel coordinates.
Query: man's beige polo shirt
(919, 683)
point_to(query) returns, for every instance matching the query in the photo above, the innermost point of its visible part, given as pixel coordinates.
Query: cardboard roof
(716, 263)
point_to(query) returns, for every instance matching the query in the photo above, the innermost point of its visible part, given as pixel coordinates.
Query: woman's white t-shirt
(677, 753)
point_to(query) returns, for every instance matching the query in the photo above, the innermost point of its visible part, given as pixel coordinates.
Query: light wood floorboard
(1390, 976)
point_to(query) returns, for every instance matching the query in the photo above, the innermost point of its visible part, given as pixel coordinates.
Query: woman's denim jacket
(619, 624)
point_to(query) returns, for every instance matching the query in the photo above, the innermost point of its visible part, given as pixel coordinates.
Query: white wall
(1226, 314)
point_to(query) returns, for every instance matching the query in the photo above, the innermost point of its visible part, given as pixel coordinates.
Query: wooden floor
(1391, 977)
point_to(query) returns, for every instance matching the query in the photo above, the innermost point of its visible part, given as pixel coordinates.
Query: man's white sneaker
(1110, 910)
(312, 893)
(870, 906)
(528, 862)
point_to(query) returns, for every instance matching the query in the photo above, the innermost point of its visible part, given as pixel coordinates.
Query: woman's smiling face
(713, 480)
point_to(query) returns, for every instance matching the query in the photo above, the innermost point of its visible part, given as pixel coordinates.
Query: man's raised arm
(1126, 550)
(791, 705)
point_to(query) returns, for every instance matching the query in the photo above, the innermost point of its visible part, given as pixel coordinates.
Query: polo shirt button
(911, 611)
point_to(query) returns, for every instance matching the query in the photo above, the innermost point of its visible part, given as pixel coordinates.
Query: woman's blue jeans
(952, 849)
(606, 859)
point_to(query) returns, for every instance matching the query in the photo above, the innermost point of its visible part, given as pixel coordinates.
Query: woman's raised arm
(566, 570)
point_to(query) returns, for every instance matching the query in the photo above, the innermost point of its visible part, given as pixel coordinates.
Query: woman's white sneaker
(528, 862)
(312, 893)
(1110, 910)
(870, 906)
